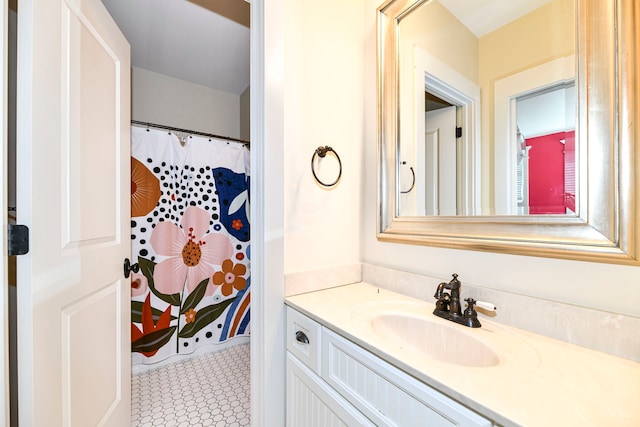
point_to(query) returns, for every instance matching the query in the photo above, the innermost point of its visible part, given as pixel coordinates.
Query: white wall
(165, 100)
(608, 287)
(245, 114)
(323, 105)
(311, 94)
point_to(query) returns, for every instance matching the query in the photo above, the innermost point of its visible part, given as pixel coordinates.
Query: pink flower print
(190, 251)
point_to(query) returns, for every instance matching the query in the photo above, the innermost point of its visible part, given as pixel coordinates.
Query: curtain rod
(191, 132)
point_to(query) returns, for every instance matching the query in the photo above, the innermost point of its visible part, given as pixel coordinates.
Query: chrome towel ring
(322, 152)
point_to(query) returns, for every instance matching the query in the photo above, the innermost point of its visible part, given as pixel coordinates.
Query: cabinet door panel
(311, 403)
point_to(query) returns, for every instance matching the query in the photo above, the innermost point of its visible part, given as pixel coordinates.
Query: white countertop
(539, 381)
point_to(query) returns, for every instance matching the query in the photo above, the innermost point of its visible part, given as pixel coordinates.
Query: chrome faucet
(448, 304)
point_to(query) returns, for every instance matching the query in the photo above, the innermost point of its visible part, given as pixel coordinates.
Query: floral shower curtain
(190, 237)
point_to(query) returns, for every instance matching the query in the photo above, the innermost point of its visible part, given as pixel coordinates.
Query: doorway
(190, 81)
(546, 150)
(13, 110)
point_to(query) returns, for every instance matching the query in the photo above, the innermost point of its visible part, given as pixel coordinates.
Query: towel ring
(413, 181)
(322, 152)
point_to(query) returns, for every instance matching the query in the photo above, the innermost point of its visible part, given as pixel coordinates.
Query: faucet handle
(486, 305)
(470, 316)
(470, 305)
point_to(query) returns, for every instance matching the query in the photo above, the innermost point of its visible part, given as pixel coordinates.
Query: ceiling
(201, 41)
(207, 41)
(482, 17)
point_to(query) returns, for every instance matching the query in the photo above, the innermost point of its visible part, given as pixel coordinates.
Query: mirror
(481, 194)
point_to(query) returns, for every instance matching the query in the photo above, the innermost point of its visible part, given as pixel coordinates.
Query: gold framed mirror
(606, 220)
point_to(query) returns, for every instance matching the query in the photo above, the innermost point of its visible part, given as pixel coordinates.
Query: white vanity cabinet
(333, 382)
(311, 402)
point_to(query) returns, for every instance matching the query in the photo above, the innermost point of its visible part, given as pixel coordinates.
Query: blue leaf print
(233, 194)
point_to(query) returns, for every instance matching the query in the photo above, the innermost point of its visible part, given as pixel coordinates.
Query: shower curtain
(190, 237)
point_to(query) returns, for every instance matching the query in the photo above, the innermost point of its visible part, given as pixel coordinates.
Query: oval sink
(433, 338)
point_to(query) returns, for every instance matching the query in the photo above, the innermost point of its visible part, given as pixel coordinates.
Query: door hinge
(18, 239)
(459, 132)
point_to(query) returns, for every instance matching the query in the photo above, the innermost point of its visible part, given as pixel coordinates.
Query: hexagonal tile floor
(208, 390)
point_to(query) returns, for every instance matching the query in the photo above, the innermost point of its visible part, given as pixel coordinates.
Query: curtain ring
(322, 152)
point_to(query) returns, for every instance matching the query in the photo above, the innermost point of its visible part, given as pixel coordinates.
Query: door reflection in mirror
(440, 157)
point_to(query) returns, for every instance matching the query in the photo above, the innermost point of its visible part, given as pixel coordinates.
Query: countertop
(539, 381)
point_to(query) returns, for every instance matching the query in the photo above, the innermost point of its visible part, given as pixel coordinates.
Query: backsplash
(611, 333)
(316, 280)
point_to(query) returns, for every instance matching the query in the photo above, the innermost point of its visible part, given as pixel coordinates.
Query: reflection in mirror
(545, 161)
(527, 64)
(460, 152)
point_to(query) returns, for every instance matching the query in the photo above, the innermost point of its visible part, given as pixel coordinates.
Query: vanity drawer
(303, 339)
(383, 393)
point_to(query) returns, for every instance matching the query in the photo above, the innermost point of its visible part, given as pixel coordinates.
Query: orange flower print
(230, 278)
(148, 324)
(190, 316)
(145, 189)
(237, 224)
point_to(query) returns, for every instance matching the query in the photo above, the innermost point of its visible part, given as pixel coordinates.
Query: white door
(441, 162)
(73, 190)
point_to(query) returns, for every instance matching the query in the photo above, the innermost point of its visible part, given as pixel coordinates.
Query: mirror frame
(606, 227)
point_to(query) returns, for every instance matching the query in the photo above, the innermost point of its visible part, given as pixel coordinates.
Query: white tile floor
(208, 390)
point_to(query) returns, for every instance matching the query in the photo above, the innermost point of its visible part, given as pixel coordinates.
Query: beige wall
(165, 100)
(538, 37)
(323, 105)
(447, 38)
(608, 287)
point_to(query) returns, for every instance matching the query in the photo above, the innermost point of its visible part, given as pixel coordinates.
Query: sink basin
(434, 339)
(407, 330)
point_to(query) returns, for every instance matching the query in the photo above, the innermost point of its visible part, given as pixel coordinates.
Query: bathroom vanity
(331, 378)
(363, 355)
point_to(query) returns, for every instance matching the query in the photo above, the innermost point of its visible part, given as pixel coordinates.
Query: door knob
(128, 268)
